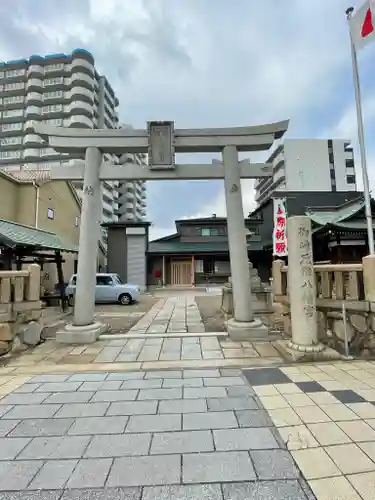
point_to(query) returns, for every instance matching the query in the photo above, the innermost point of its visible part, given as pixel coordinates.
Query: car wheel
(71, 301)
(125, 299)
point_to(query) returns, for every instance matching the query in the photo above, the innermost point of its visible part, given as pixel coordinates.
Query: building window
(15, 72)
(53, 81)
(349, 163)
(209, 231)
(350, 179)
(50, 213)
(53, 95)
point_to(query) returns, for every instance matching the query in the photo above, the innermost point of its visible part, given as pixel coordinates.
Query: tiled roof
(336, 216)
(13, 235)
(178, 247)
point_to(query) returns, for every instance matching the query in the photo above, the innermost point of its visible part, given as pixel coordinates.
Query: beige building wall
(58, 212)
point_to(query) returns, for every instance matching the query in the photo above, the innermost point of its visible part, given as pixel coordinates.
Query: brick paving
(142, 435)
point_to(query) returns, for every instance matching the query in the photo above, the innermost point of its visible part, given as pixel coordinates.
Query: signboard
(280, 245)
(160, 145)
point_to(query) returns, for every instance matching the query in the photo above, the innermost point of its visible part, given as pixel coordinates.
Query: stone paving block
(184, 382)
(230, 372)
(217, 467)
(264, 490)
(146, 394)
(53, 475)
(210, 420)
(222, 404)
(125, 357)
(4, 409)
(110, 396)
(204, 392)
(185, 492)
(154, 423)
(27, 389)
(87, 377)
(126, 376)
(31, 495)
(6, 426)
(108, 355)
(171, 345)
(133, 408)
(49, 377)
(16, 475)
(182, 442)
(45, 448)
(149, 353)
(274, 464)
(69, 397)
(183, 406)
(32, 411)
(104, 385)
(145, 471)
(154, 383)
(11, 447)
(223, 381)
(98, 425)
(118, 445)
(42, 427)
(76, 410)
(59, 387)
(102, 494)
(244, 439)
(253, 418)
(212, 355)
(90, 473)
(170, 356)
(164, 374)
(240, 391)
(24, 399)
(191, 352)
(210, 344)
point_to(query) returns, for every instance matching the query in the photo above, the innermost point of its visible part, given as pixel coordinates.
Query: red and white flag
(362, 24)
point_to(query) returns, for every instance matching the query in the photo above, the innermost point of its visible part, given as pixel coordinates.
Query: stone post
(84, 329)
(368, 263)
(242, 326)
(302, 286)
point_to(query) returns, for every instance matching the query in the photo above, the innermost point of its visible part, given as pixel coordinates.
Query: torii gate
(160, 141)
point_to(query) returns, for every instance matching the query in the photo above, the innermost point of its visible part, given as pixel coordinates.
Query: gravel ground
(212, 316)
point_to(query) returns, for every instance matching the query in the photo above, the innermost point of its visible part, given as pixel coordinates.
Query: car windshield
(118, 280)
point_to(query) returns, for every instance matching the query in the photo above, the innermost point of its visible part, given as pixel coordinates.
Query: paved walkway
(193, 434)
(325, 414)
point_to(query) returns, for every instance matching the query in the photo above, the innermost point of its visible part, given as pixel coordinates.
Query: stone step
(126, 336)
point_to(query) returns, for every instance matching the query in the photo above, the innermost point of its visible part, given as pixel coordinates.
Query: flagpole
(361, 140)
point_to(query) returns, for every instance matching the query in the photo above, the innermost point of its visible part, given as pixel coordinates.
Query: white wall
(307, 165)
(339, 156)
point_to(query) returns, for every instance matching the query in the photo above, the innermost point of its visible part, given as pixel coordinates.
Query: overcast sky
(208, 63)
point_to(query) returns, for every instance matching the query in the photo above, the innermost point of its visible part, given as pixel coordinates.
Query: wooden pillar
(192, 270)
(163, 276)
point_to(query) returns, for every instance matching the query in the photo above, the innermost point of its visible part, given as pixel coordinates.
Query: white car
(109, 289)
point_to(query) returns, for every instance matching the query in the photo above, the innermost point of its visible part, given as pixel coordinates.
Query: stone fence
(20, 303)
(317, 303)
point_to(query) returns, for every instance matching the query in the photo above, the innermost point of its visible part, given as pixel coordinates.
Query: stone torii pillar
(243, 325)
(84, 329)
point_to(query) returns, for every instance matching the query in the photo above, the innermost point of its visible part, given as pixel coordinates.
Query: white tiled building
(309, 165)
(63, 90)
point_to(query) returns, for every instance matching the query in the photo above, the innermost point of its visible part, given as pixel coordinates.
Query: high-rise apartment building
(63, 90)
(309, 165)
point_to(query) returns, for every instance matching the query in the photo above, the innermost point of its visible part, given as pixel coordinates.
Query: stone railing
(19, 303)
(344, 301)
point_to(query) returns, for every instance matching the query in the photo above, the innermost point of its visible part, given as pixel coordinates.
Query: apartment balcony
(32, 140)
(80, 121)
(34, 85)
(129, 195)
(35, 71)
(81, 107)
(82, 65)
(33, 112)
(81, 93)
(33, 98)
(31, 154)
(82, 80)
(29, 125)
